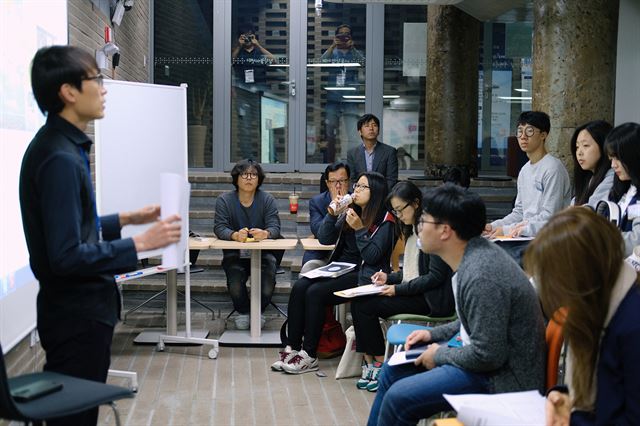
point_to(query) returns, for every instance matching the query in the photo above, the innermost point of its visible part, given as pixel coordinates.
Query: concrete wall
(627, 106)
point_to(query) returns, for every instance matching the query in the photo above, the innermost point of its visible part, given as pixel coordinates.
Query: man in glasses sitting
(543, 185)
(247, 214)
(336, 181)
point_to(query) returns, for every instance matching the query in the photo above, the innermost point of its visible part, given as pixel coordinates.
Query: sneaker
(300, 363)
(283, 358)
(366, 376)
(375, 373)
(242, 322)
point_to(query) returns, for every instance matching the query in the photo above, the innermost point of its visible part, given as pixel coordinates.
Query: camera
(248, 38)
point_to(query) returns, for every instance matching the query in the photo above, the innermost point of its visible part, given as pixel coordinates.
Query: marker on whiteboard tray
(133, 274)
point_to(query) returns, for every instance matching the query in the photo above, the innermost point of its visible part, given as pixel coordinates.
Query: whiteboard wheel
(213, 353)
(160, 347)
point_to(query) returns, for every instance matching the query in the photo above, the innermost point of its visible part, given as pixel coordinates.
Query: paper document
(363, 290)
(332, 270)
(174, 199)
(405, 357)
(502, 409)
(503, 238)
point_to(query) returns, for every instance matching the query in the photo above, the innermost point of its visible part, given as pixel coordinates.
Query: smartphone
(35, 390)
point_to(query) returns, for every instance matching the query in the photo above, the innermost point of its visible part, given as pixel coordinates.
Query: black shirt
(75, 269)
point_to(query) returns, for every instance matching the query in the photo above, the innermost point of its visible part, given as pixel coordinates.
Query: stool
(397, 334)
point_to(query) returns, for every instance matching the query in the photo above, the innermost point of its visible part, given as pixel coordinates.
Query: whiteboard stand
(172, 336)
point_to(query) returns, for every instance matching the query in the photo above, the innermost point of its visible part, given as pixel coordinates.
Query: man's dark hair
(246, 29)
(343, 26)
(334, 167)
(244, 165)
(537, 119)
(458, 175)
(367, 118)
(54, 66)
(462, 210)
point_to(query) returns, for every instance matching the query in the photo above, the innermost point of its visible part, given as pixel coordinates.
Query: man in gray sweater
(499, 320)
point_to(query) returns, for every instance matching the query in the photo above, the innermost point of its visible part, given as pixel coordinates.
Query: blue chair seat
(398, 333)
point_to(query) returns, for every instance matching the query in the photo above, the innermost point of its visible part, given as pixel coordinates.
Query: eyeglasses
(528, 131)
(399, 211)
(247, 175)
(422, 221)
(360, 187)
(336, 182)
(98, 79)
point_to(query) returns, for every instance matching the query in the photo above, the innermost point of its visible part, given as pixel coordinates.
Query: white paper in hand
(174, 199)
(502, 409)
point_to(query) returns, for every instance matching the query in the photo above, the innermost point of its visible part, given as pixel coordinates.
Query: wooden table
(256, 336)
(314, 244)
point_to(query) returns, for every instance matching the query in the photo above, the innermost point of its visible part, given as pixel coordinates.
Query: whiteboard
(143, 134)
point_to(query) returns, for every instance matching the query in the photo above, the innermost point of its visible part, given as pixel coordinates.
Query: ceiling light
(521, 90)
(339, 88)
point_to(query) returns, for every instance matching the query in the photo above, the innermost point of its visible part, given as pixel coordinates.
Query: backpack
(332, 340)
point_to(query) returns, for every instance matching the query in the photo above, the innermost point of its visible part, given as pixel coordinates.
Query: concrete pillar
(452, 89)
(574, 59)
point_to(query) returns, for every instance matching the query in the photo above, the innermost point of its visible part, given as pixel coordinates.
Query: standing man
(250, 60)
(341, 51)
(499, 320)
(74, 254)
(336, 177)
(373, 155)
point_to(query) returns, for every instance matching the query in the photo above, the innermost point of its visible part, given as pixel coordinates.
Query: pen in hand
(375, 278)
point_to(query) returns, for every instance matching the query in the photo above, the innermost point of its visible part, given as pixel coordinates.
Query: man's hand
(146, 214)
(161, 234)
(354, 220)
(427, 358)
(259, 234)
(488, 229)
(240, 235)
(417, 336)
(496, 232)
(557, 409)
(516, 230)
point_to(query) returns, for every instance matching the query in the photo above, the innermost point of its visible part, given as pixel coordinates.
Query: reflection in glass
(183, 49)
(260, 91)
(335, 79)
(405, 65)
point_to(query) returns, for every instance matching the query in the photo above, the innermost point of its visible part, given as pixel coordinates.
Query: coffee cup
(293, 203)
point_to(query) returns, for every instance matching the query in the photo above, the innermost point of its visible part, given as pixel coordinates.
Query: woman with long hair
(592, 172)
(422, 287)
(623, 148)
(363, 235)
(577, 262)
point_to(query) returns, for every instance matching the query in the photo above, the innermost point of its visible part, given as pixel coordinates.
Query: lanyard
(83, 153)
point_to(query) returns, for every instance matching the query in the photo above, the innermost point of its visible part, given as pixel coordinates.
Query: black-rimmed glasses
(399, 211)
(97, 78)
(248, 175)
(335, 182)
(360, 187)
(422, 221)
(527, 131)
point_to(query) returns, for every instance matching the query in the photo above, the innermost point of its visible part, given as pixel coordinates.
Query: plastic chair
(76, 395)
(555, 341)
(398, 332)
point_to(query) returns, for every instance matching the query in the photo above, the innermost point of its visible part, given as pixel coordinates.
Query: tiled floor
(182, 386)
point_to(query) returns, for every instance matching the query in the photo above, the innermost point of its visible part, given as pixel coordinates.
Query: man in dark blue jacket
(336, 177)
(74, 254)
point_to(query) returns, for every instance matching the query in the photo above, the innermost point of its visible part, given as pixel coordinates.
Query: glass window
(505, 90)
(260, 81)
(183, 49)
(335, 79)
(405, 67)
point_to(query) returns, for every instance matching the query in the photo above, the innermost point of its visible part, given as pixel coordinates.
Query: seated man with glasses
(336, 178)
(499, 320)
(543, 184)
(244, 215)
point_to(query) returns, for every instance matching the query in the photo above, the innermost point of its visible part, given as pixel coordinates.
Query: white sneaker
(242, 322)
(283, 358)
(300, 363)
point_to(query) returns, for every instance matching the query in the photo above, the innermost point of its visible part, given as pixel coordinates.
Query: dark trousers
(238, 271)
(306, 309)
(366, 312)
(79, 348)
(515, 249)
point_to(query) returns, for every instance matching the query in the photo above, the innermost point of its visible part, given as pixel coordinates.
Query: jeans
(238, 271)
(407, 393)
